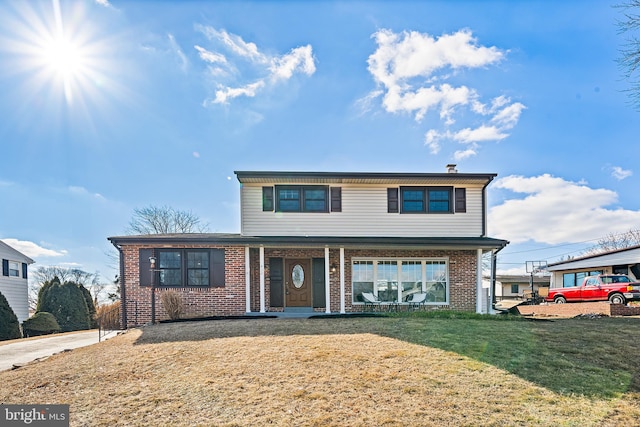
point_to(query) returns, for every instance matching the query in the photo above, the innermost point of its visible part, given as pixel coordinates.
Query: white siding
(15, 291)
(364, 213)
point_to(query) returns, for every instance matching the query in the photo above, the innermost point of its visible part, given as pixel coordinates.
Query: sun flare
(64, 57)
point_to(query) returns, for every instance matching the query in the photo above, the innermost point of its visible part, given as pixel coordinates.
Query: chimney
(451, 168)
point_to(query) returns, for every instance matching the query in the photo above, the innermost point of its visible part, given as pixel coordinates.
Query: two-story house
(14, 284)
(316, 241)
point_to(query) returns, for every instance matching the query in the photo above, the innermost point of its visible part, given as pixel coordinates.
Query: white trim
(327, 281)
(247, 278)
(262, 304)
(342, 294)
(479, 282)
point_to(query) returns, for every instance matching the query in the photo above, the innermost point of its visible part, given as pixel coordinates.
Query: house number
(297, 276)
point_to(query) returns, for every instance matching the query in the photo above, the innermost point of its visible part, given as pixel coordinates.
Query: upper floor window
(426, 199)
(302, 198)
(12, 268)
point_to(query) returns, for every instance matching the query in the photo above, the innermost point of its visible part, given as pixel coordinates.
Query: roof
(630, 255)
(458, 243)
(524, 278)
(17, 255)
(270, 177)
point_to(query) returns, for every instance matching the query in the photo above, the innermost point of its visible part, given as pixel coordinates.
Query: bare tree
(164, 220)
(629, 60)
(612, 242)
(91, 281)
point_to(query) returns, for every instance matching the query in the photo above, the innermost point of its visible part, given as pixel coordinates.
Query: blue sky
(111, 105)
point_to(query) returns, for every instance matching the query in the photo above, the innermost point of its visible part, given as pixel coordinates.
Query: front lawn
(406, 370)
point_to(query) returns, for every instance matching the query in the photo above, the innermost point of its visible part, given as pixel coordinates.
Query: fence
(108, 318)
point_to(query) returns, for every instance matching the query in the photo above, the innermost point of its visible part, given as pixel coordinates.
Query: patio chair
(371, 301)
(417, 300)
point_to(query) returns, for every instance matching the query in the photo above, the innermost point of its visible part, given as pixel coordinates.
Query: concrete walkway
(25, 351)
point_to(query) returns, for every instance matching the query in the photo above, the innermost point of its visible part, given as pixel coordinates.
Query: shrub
(93, 321)
(108, 316)
(172, 303)
(41, 323)
(67, 303)
(9, 325)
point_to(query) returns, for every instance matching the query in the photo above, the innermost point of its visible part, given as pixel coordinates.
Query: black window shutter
(461, 199)
(216, 273)
(24, 270)
(336, 199)
(267, 199)
(5, 267)
(319, 295)
(276, 284)
(392, 200)
(145, 273)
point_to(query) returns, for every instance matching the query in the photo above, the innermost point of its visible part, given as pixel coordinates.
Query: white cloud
(184, 62)
(405, 66)
(463, 154)
(555, 211)
(243, 70)
(104, 3)
(480, 134)
(32, 249)
(618, 173)
(81, 191)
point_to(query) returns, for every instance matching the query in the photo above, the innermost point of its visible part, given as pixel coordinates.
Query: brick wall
(199, 302)
(230, 299)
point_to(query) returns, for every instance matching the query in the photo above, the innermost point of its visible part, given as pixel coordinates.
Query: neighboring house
(620, 261)
(13, 282)
(316, 241)
(515, 286)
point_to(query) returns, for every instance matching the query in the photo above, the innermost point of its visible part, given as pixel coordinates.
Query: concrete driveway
(25, 351)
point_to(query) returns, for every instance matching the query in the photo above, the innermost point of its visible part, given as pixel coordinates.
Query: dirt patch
(566, 310)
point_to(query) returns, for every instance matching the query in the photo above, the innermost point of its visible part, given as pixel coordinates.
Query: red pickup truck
(617, 288)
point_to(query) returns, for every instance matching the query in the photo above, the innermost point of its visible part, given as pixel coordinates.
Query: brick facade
(231, 299)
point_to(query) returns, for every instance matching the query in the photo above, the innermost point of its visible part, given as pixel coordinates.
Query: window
(515, 289)
(308, 198)
(12, 268)
(183, 267)
(170, 266)
(575, 279)
(361, 279)
(424, 200)
(395, 280)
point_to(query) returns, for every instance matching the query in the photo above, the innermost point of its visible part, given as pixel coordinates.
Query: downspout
(484, 208)
(123, 289)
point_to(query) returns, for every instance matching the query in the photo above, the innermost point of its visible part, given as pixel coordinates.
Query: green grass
(591, 357)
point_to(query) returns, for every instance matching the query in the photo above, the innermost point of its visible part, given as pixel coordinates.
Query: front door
(297, 282)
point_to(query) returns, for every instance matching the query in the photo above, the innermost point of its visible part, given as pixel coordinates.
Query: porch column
(262, 305)
(327, 281)
(342, 281)
(247, 279)
(479, 282)
(492, 282)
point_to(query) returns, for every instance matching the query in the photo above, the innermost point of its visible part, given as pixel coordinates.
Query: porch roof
(456, 243)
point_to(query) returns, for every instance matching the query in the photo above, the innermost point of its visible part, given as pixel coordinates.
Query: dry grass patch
(321, 372)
